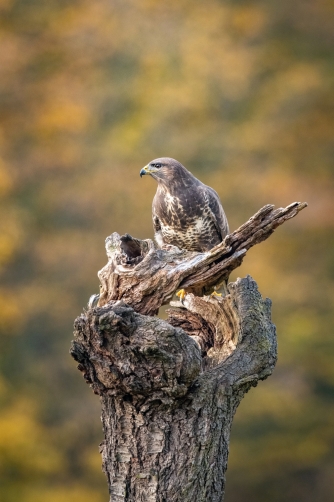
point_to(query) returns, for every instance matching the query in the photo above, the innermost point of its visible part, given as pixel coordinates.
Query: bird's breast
(181, 209)
(198, 234)
(185, 221)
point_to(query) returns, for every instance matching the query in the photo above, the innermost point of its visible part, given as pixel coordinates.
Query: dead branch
(145, 277)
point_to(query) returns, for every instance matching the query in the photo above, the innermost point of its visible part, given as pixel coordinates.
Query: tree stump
(169, 389)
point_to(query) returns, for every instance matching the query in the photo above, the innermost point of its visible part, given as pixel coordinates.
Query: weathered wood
(146, 277)
(169, 389)
(166, 417)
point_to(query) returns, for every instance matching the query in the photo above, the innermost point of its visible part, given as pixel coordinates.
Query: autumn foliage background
(241, 92)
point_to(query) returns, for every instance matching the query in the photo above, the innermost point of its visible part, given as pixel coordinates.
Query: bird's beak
(143, 171)
(148, 170)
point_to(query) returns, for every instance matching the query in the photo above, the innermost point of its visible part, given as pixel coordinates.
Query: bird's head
(164, 169)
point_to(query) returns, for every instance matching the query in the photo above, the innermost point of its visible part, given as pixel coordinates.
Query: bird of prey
(186, 213)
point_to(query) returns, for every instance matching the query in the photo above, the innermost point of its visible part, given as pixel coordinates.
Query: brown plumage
(186, 213)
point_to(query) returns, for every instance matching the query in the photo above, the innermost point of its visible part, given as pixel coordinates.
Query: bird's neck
(175, 185)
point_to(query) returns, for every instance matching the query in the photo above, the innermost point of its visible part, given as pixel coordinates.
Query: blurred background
(241, 92)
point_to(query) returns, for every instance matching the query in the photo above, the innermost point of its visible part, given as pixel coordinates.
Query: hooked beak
(148, 170)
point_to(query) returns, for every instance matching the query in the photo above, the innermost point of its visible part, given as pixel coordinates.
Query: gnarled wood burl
(169, 389)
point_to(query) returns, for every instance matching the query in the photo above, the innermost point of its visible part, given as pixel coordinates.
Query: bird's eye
(157, 165)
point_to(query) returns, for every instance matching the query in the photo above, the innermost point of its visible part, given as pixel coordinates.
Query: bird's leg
(222, 287)
(214, 293)
(181, 294)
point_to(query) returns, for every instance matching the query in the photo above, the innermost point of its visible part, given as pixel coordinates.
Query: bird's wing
(156, 224)
(156, 220)
(216, 209)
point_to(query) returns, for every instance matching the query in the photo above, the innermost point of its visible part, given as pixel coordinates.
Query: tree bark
(169, 389)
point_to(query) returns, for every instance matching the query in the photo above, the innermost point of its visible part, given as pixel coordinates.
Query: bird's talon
(181, 294)
(215, 294)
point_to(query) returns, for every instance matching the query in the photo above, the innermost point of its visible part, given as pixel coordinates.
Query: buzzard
(186, 213)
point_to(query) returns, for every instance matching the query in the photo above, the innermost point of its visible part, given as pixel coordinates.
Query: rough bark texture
(146, 277)
(169, 389)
